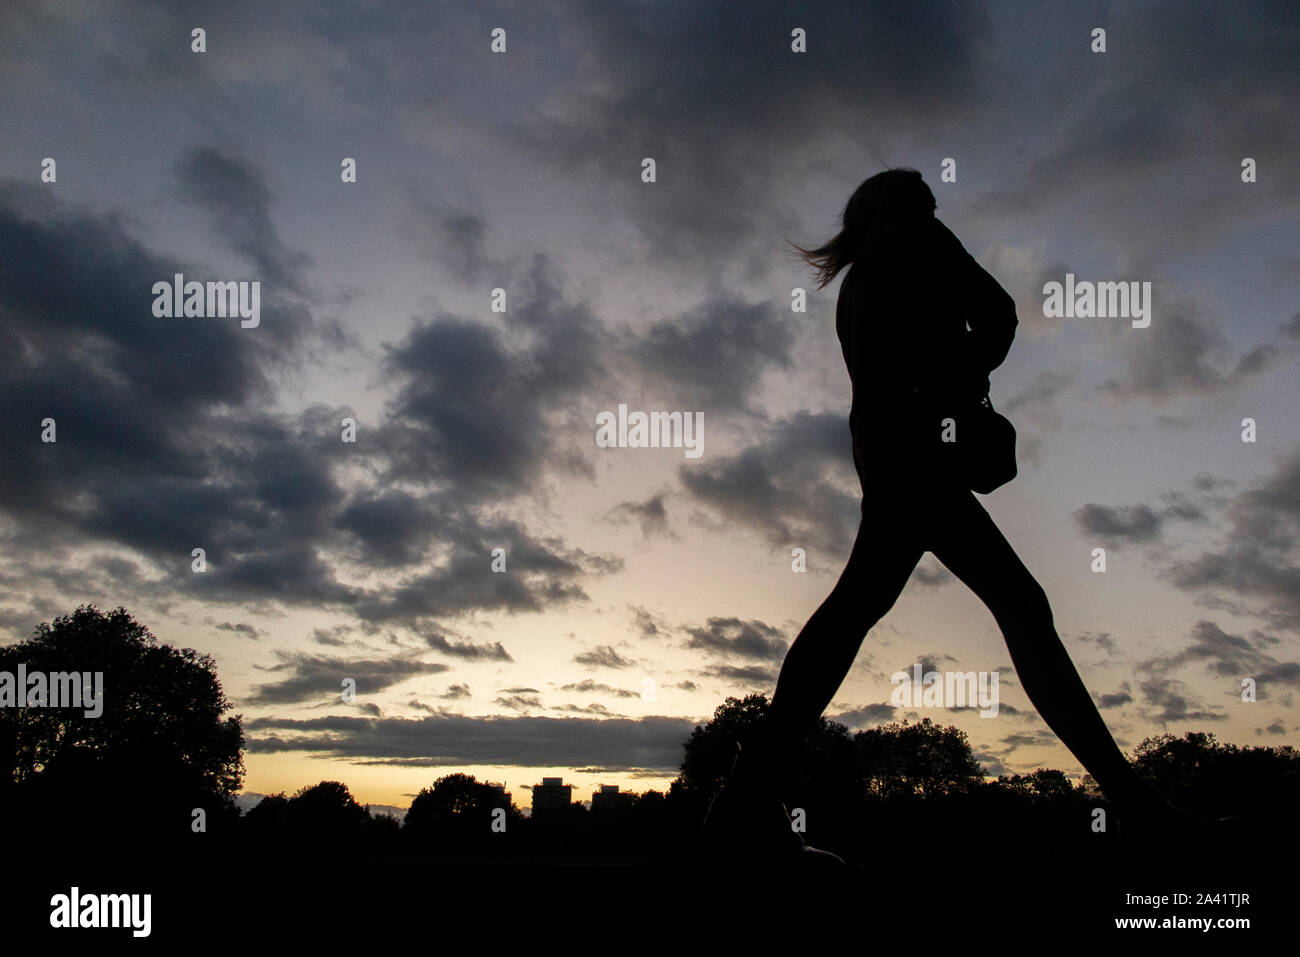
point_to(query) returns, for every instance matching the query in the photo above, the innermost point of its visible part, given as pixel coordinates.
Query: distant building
(551, 794)
(608, 799)
(500, 797)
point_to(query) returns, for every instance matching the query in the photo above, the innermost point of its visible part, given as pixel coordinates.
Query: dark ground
(986, 894)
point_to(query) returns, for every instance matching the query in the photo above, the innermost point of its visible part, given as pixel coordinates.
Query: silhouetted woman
(902, 316)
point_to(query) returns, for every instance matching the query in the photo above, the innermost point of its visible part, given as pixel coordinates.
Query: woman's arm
(989, 310)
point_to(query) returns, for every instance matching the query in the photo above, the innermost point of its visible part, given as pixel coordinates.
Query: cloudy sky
(641, 587)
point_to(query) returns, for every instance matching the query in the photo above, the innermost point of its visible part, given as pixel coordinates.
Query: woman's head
(895, 197)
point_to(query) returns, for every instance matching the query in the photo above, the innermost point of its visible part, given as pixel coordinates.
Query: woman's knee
(853, 612)
(1020, 601)
(1036, 603)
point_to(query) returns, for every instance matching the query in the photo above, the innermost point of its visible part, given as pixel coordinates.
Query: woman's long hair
(886, 199)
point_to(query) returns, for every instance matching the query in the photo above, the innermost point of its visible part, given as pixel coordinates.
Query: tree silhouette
(828, 770)
(268, 817)
(453, 797)
(1200, 772)
(711, 748)
(325, 809)
(456, 812)
(162, 746)
(917, 760)
(1043, 783)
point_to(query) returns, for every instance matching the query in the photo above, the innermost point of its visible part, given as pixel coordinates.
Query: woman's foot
(1151, 817)
(746, 819)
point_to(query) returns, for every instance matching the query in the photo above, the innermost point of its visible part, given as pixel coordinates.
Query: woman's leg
(969, 543)
(884, 554)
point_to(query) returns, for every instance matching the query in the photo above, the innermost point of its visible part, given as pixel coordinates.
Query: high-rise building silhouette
(551, 794)
(500, 797)
(608, 798)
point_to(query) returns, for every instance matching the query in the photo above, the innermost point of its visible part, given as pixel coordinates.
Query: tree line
(158, 772)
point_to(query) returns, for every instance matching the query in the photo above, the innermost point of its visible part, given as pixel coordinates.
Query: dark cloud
(1136, 523)
(713, 357)
(467, 649)
(1281, 672)
(1259, 555)
(314, 677)
(651, 515)
(162, 445)
(646, 623)
(235, 194)
(865, 716)
(239, 628)
(732, 637)
(789, 487)
(1182, 507)
(462, 409)
(453, 238)
(1125, 139)
(290, 570)
(76, 302)
(723, 156)
(1102, 640)
(1292, 328)
(395, 528)
(1020, 739)
(749, 675)
(519, 701)
(1166, 695)
(1115, 699)
(593, 708)
(626, 772)
(1224, 655)
(331, 636)
(165, 446)
(459, 740)
(1183, 353)
(539, 573)
(1206, 482)
(931, 662)
(587, 685)
(481, 405)
(603, 656)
